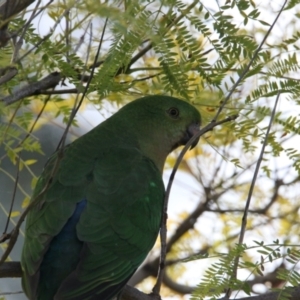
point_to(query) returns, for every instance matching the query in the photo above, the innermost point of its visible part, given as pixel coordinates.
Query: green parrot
(100, 203)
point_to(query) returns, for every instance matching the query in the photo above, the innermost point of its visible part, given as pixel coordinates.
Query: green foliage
(290, 277)
(219, 276)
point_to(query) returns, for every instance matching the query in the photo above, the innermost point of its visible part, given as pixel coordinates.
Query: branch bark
(13, 269)
(10, 269)
(8, 9)
(35, 88)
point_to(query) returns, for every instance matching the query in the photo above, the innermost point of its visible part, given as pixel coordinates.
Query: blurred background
(115, 52)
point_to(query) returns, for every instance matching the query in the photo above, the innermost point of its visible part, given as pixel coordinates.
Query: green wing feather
(117, 238)
(123, 189)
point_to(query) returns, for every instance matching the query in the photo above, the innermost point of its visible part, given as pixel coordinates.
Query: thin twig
(13, 236)
(32, 126)
(58, 92)
(46, 37)
(74, 111)
(224, 102)
(68, 40)
(19, 43)
(14, 195)
(10, 122)
(246, 210)
(11, 293)
(9, 73)
(81, 39)
(163, 230)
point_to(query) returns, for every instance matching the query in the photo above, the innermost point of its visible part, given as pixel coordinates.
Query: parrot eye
(173, 112)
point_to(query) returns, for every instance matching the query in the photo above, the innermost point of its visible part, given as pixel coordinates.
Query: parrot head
(160, 124)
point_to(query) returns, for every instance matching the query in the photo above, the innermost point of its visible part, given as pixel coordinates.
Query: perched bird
(99, 204)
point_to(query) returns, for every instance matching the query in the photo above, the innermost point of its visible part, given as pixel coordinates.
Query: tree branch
(10, 269)
(13, 269)
(251, 189)
(163, 230)
(8, 10)
(7, 74)
(35, 88)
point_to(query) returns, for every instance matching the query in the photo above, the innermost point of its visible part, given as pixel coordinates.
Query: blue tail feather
(62, 256)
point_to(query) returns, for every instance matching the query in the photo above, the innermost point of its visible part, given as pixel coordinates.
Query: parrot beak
(191, 131)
